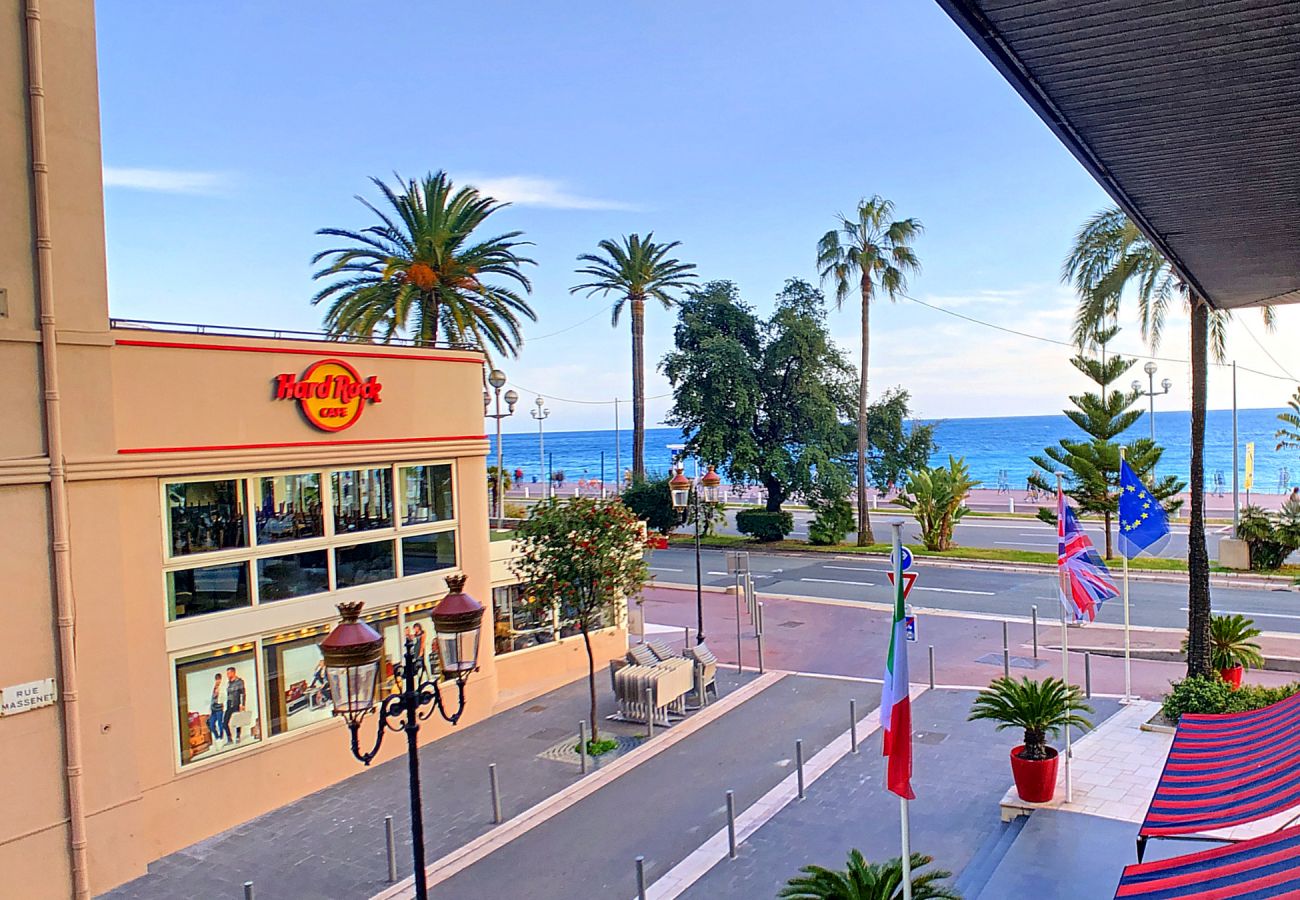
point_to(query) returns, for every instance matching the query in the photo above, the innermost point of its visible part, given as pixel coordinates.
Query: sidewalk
(331, 843)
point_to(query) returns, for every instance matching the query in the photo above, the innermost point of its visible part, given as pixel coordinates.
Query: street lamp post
(687, 495)
(497, 379)
(540, 414)
(353, 653)
(1151, 392)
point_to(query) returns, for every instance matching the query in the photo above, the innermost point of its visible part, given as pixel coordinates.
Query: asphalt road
(981, 531)
(969, 589)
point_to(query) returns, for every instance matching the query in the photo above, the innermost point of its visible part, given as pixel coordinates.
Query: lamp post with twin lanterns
(1151, 392)
(497, 379)
(540, 414)
(353, 653)
(685, 494)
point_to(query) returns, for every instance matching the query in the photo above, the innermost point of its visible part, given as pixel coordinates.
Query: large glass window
(216, 696)
(364, 563)
(205, 515)
(297, 689)
(426, 494)
(294, 575)
(363, 499)
(195, 592)
(520, 620)
(288, 508)
(428, 552)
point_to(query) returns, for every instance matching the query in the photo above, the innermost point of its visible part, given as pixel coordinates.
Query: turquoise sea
(995, 448)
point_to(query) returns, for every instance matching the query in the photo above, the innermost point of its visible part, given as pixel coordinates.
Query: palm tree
(637, 270)
(422, 270)
(1289, 434)
(1108, 255)
(868, 254)
(868, 881)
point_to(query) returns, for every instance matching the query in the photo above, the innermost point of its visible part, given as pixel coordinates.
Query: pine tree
(1091, 466)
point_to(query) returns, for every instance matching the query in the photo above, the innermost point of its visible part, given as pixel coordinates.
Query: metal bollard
(932, 665)
(1011, 504)
(391, 844)
(640, 878)
(496, 793)
(649, 712)
(686, 638)
(248, 890)
(1087, 675)
(740, 666)
(758, 636)
(853, 725)
(1033, 611)
(582, 746)
(1006, 652)
(731, 824)
(798, 763)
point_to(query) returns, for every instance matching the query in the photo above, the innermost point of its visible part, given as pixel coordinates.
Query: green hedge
(763, 525)
(1214, 695)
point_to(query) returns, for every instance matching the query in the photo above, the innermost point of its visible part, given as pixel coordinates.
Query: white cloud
(550, 193)
(167, 181)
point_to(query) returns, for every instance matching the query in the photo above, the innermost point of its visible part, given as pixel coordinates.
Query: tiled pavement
(331, 843)
(960, 773)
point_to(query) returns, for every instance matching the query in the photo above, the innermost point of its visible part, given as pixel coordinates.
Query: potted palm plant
(1232, 647)
(1041, 709)
(868, 881)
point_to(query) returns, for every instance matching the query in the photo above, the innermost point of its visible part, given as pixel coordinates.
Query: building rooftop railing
(283, 334)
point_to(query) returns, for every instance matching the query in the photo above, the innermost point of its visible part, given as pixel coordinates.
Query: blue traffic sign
(907, 558)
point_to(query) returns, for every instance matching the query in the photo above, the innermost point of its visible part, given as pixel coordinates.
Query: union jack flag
(1085, 580)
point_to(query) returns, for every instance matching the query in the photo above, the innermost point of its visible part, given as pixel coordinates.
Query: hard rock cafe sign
(331, 394)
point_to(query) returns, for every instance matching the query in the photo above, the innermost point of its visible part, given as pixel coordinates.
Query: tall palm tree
(422, 270)
(1289, 434)
(862, 880)
(870, 254)
(1109, 255)
(636, 270)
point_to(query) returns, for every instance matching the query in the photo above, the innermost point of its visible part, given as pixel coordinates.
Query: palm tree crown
(635, 270)
(422, 270)
(862, 880)
(869, 254)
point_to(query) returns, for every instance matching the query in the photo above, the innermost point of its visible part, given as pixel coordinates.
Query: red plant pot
(1035, 778)
(1233, 676)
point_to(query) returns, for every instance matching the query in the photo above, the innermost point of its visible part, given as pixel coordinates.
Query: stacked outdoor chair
(668, 681)
(705, 668)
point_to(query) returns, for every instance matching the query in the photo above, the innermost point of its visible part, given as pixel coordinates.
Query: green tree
(862, 880)
(651, 500)
(636, 270)
(869, 254)
(829, 500)
(1091, 466)
(762, 401)
(584, 558)
(1109, 255)
(936, 496)
(1289, 434)
(896, 446)
(423, 271)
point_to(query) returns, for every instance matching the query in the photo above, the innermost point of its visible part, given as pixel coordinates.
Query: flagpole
(896, 526)
(1065, 661)
(1128, 656)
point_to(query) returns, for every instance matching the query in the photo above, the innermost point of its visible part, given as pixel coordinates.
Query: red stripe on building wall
(283, 444)
(180, 345)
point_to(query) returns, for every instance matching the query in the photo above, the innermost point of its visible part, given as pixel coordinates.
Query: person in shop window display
(236, 696)
(217, 713)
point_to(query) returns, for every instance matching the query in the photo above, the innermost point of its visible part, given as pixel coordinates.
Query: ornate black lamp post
(353, 653)
(687, 495)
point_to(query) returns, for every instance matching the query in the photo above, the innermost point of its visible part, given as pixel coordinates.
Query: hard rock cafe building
(182, 509)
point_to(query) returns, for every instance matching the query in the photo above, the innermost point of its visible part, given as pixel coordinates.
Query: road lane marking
(1022, 544)
(836, 581)
(1240, 612)
(853, 569)
(662, 569)
(939, 590)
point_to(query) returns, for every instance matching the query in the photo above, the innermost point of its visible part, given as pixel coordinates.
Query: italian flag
(895, 706)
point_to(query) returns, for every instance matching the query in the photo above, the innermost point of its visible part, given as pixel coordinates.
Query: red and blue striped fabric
(1229, 769)
(1085, 580)
(1264, 868)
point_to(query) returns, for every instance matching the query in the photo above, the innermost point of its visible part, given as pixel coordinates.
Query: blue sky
(233, 131)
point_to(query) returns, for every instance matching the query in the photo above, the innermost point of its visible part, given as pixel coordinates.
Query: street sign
(1249, 481)
(909, 622)
(907, 558)
(19, 698)
(738, 562)
(909, 579)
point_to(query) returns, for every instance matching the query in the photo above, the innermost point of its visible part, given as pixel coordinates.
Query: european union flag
(1143, 524)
